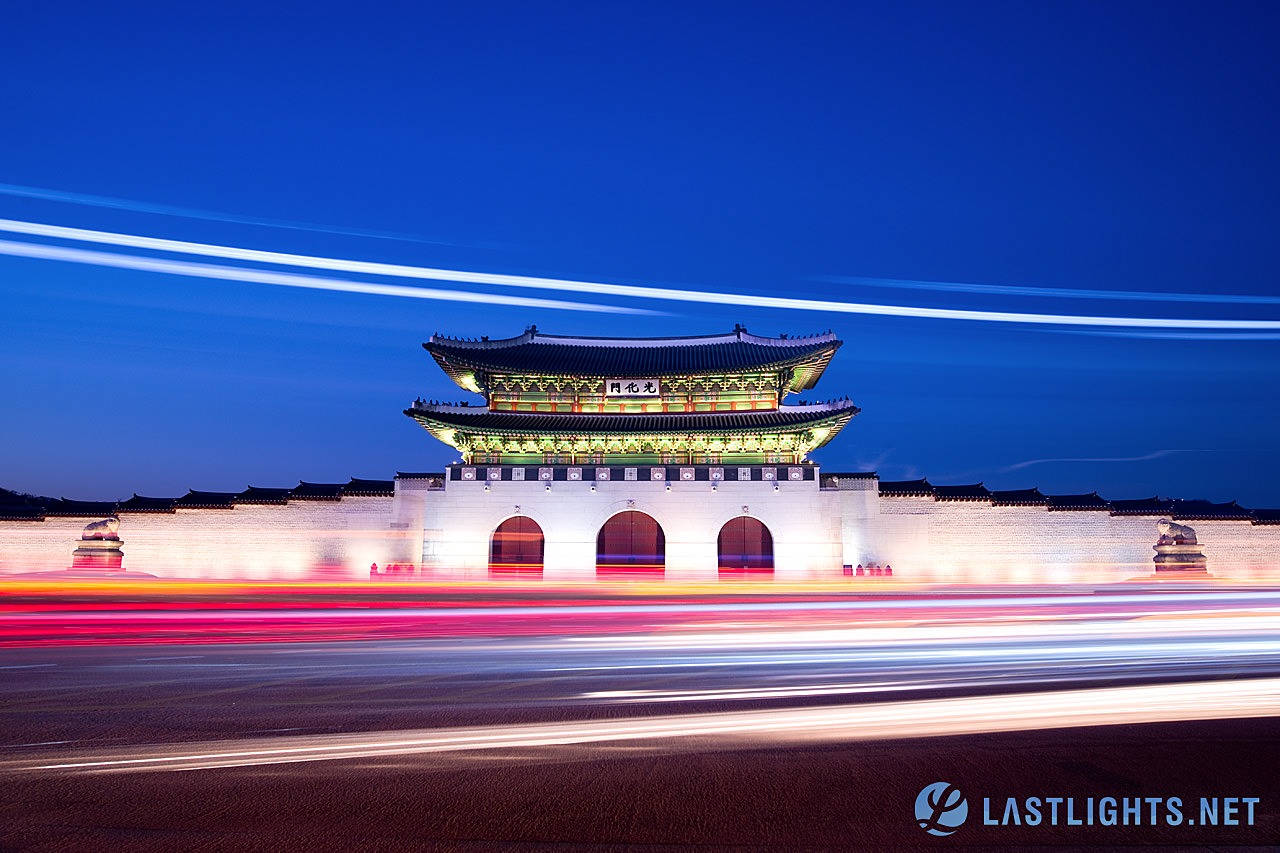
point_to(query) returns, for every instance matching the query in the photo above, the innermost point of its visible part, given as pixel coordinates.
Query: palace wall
(443, 528)
(974, 542)
(300, 540)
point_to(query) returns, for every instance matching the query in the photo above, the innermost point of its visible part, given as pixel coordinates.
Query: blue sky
(822, 151)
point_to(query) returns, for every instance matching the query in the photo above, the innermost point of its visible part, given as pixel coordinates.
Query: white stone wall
(972, 541)
(296, 541)
(445, 534)
(806, 532)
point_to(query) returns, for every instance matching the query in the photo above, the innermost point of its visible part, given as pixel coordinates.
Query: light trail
(19, 191)
(284, 279)
(735, 729)
(598, 288)
(1054, 292)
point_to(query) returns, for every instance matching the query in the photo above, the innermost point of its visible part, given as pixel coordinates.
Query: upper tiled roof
(557, 355)
(921, 488)
(1090, 501)
(526, 423)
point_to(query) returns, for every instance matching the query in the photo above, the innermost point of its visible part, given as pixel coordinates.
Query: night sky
(1082, 159)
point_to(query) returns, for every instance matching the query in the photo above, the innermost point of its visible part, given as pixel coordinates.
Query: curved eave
(801, 365)
(806, 375)
(446, 425)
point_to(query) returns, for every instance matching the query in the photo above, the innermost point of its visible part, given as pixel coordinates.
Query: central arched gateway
(516, 548)
(631, 545)
(745, 547)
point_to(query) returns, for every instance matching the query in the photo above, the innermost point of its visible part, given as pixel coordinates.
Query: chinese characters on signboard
(632, 388)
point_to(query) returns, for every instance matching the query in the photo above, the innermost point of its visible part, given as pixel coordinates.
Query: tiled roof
(19, 507)
(907, 488)
(536, 353)
(1090, 501)
(137, 503)
(1019, 497)
(358, 488)
(206, 500)
(62, 506)
(20, 512)
(976, 492)
(1146, 506)
(788, 418)
(1266, 516)
(258, 495)
(1191, 510)
(305, 491)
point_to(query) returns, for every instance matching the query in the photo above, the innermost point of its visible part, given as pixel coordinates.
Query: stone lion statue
(1172, 533)
(108, 528)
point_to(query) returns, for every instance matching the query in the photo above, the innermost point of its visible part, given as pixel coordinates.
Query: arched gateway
(745, 548)
(516, 548)
(631, 545)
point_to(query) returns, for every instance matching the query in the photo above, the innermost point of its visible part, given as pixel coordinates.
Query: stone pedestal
(1184, 558)
(101, 555)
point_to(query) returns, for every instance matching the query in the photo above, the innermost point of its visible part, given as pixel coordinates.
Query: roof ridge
(533, 336)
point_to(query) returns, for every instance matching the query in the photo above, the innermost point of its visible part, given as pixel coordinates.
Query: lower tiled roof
(531, 423)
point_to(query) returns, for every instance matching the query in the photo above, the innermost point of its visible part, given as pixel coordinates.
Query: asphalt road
(725, 732)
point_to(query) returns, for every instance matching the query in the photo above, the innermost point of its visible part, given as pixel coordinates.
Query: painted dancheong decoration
(716, 399)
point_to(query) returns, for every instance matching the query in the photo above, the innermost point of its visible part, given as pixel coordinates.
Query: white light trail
(598, 288)
(1054, 292)
(284, 279)
(846, 723)
(19, 191)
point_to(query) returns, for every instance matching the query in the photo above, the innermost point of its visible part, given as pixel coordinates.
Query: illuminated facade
(624, 457)
(683, 459)
(716, 400)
